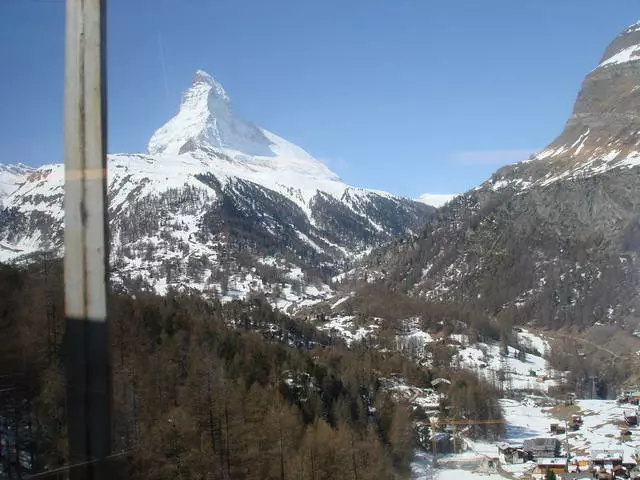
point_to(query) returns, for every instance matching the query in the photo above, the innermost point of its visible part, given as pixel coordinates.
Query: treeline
(200, 390)
(597, 361)
(442, 318)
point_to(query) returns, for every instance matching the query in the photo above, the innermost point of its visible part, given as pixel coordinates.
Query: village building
(542, 447)
(629, 462)
(557, 428)
(546, 465)
(631, 417)
(580, 463)
(512, 453)
(606, 458)
(576, 422)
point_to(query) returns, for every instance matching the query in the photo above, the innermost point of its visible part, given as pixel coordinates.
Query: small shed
(630, 418)
(542, 447)
(442, 443)
(576, 422)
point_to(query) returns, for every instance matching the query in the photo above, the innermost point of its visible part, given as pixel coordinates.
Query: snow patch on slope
(11, 177)
(344, 326)
(436, 199)
(625, 55)
(513, 369)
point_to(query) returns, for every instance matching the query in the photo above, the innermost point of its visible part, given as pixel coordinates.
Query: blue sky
(406, 96)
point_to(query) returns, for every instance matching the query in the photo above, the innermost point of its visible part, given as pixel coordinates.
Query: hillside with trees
(234, 390)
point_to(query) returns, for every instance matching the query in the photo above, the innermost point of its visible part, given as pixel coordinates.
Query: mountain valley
(268, 320)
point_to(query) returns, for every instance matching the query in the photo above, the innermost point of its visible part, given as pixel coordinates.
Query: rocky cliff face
(553, 240)
(218, 205)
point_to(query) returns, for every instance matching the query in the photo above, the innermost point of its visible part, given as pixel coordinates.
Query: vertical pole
(85, 261)
(566, 439)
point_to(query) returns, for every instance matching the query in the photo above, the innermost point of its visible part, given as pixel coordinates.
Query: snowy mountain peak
(206, 127)
(203, 78)
(205, 121)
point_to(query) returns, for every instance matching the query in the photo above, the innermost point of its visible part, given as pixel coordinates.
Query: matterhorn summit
(205, 119)
(205, 123)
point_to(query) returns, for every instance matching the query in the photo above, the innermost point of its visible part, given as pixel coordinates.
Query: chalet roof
(560, 462)
(603, 455)
(580, 458)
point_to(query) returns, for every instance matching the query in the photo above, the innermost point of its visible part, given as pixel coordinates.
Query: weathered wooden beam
(86, 255)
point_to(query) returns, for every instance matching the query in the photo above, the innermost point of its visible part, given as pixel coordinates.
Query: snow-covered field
(422, 468)
(603, 422)
(519, 370)
(345, 327)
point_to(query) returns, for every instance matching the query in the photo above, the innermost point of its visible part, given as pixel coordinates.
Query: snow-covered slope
(514, 369)
(436, 199)
(602, 133)
(219, 205)
(11, 177)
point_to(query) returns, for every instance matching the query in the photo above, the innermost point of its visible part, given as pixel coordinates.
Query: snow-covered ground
(345, 327)
(426, 398)
(517, 370)
(422, 469)
(530, 418)
(603, 421)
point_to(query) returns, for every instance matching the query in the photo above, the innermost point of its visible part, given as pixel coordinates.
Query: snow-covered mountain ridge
(218, 204)
(554, 240)
(11, 177)
(602, 133)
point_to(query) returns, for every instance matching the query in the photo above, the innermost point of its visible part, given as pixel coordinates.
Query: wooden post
(566, 439)
(86, 256)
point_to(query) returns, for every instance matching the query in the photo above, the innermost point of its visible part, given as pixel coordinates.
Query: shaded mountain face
(553, 240)
(218, 205)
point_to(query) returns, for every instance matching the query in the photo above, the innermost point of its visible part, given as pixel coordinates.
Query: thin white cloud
(490, 157)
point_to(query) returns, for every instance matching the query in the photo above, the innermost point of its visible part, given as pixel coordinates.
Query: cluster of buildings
(545, 453)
